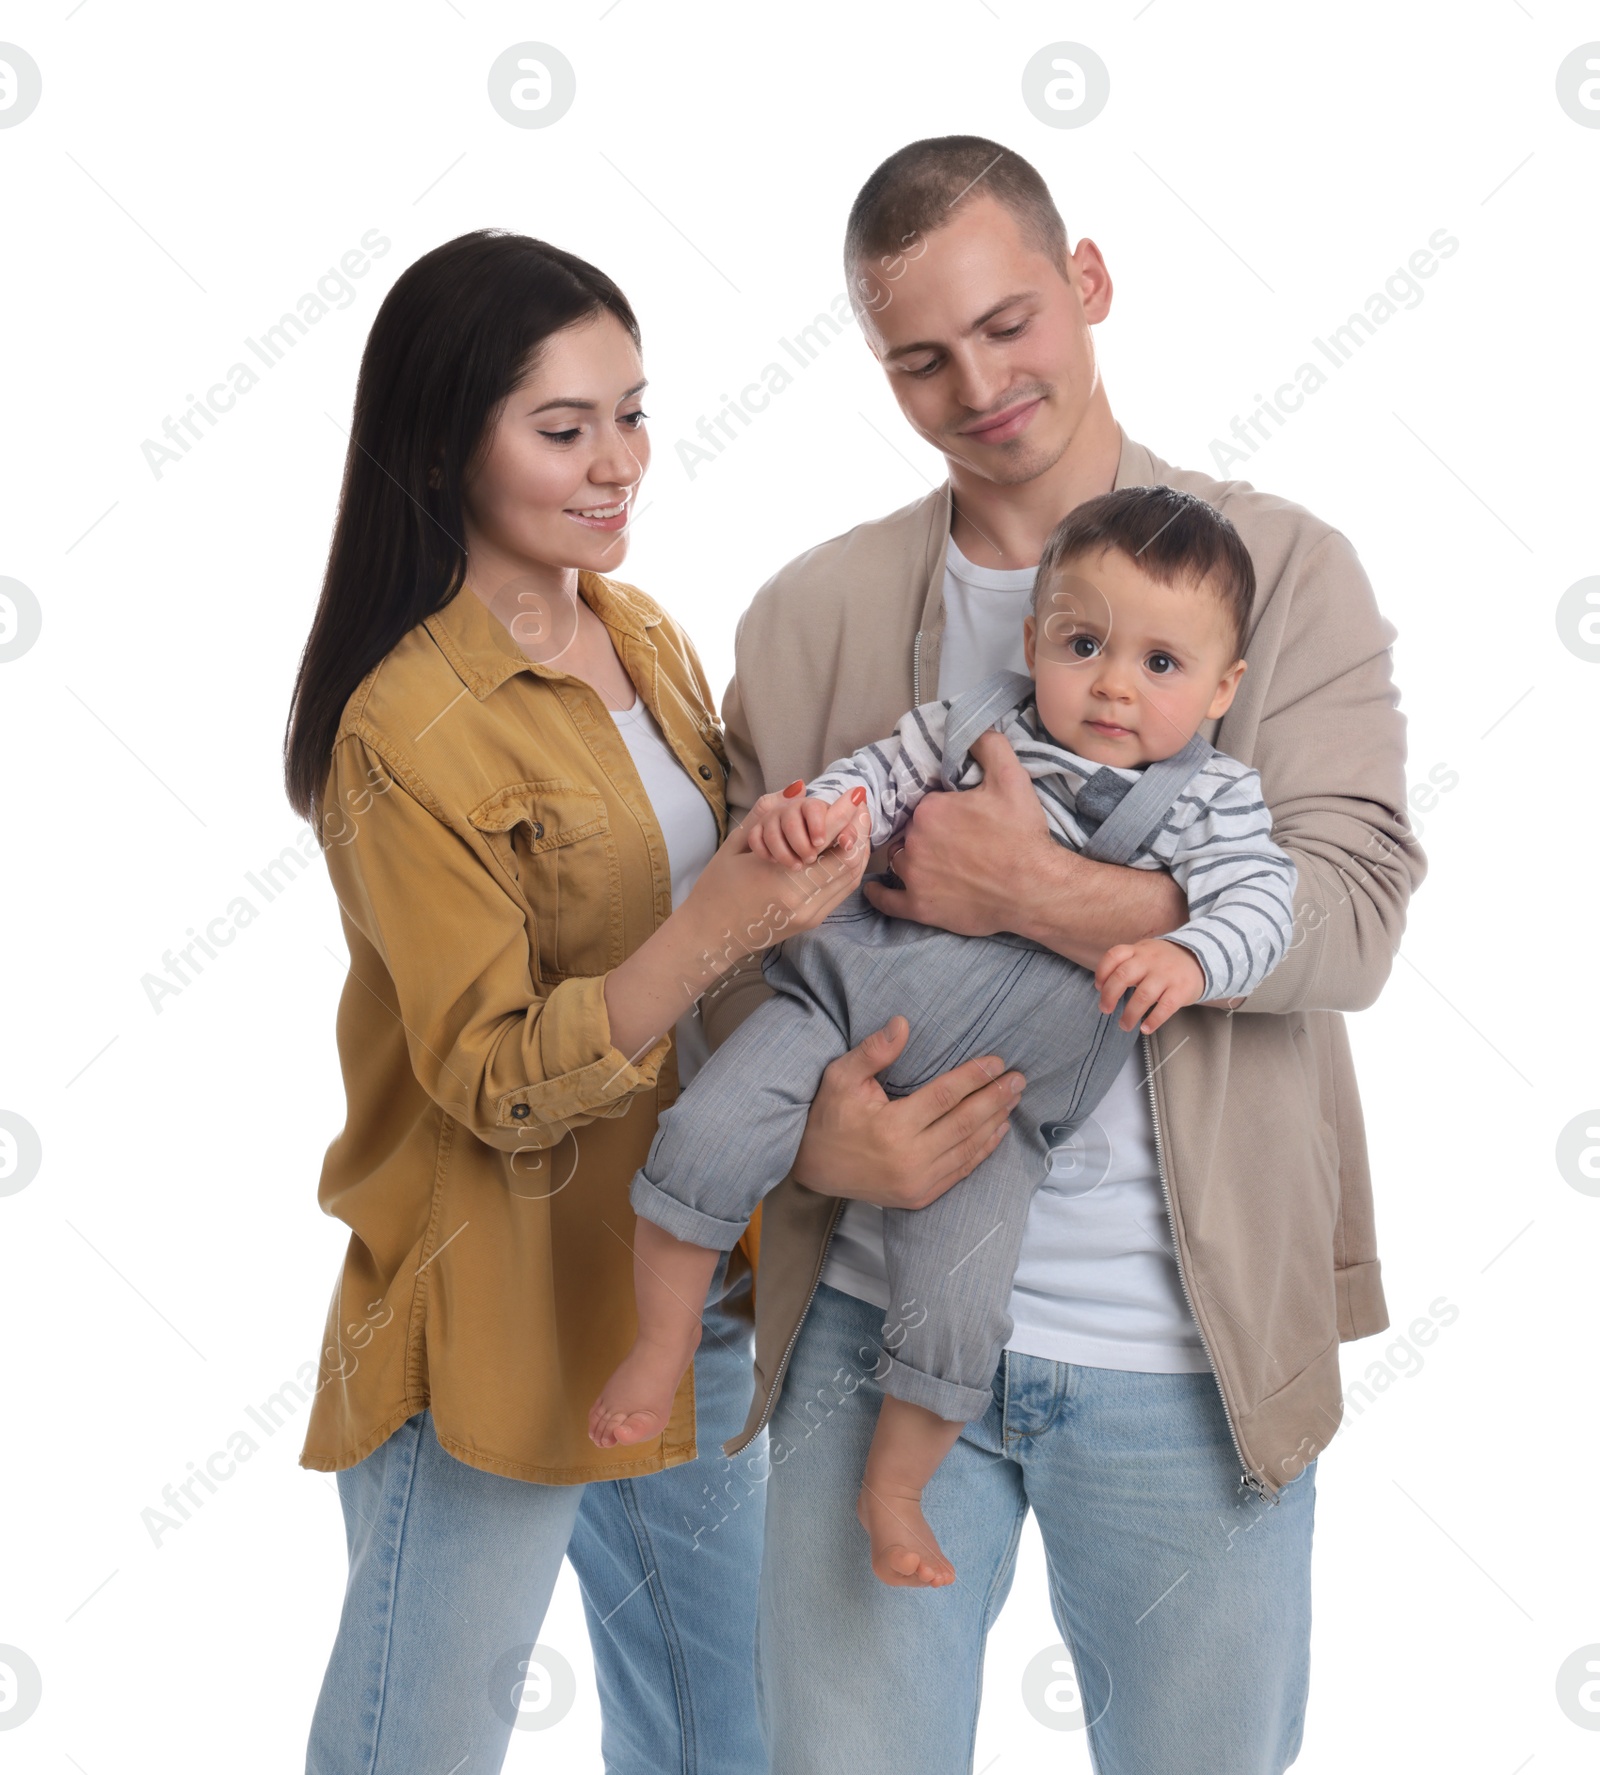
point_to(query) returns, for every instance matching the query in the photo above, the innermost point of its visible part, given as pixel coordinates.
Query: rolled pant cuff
(689, 1224)
(945, 1399)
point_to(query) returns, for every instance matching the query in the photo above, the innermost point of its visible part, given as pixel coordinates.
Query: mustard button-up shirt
(494, 855)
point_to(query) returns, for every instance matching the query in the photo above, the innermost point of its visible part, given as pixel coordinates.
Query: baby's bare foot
(636, 1402)
(904, 1551)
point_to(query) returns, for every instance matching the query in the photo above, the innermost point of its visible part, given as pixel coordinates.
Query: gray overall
(733, 1135)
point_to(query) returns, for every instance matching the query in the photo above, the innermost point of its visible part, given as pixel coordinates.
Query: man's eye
(1161, 664)
(1011, 332)
(926, 369)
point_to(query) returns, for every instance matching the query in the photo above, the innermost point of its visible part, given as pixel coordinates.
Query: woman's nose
(616, 464)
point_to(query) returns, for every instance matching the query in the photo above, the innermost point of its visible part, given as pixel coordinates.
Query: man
(1191, 1265)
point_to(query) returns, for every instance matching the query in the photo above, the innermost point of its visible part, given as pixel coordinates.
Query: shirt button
(705, 771)
(538, 829)
(520, 1111)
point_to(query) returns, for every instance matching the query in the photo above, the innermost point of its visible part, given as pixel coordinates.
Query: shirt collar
(481, 649)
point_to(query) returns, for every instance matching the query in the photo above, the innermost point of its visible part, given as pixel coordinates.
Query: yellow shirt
(494, 855)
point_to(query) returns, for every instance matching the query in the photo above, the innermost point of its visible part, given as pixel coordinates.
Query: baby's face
(1126, 669)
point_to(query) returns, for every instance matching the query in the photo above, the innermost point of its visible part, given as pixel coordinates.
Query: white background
(1258, 172)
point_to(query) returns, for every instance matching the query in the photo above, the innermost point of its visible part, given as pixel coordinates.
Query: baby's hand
(1163, 976)
(795, 829)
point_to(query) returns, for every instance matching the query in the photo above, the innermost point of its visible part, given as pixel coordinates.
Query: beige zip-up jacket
(1258, 1122)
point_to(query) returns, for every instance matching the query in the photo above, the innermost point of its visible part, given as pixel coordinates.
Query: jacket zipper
(794, 1336)
(916, 670)
(1247, 1476)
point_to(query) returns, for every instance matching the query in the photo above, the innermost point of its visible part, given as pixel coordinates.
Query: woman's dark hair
(459, 330)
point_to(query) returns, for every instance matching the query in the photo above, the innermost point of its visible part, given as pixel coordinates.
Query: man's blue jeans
(1185, 1601)
(452, 1568)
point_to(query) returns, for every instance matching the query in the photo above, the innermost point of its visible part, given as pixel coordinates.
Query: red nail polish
(859, 796)
(794, 788)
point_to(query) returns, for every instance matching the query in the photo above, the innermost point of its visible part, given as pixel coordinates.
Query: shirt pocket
(553, 839)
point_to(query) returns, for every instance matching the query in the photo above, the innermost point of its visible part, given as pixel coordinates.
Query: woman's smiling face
(555, 480)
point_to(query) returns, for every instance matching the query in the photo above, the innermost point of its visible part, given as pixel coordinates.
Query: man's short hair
(1171, 535)
(915, 189)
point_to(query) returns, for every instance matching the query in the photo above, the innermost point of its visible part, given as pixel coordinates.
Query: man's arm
(1331, 750)
(984, 861)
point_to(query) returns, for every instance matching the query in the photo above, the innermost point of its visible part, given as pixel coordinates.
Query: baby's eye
(1161, 663)
(1082, 647)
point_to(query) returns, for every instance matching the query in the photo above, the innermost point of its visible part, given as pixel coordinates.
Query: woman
(515, 769)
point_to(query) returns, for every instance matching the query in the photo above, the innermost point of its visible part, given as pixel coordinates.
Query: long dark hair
(455, 335)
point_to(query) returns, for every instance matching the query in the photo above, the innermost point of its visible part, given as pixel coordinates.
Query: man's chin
(1014, 464)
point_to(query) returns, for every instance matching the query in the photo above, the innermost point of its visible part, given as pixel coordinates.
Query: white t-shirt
(690, 829)
(1097, 1282)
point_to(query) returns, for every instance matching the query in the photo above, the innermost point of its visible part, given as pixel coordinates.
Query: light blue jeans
(1185, 1601)
(452, 1568)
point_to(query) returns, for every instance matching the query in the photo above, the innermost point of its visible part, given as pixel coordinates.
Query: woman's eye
(635, 419)
(560, 437)
(1161, 664)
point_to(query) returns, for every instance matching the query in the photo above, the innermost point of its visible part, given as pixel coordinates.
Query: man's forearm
(1080, 908)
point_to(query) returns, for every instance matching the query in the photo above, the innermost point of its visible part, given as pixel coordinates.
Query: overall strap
(974, 712)
(1142, 810)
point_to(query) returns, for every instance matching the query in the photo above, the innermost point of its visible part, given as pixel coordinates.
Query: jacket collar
(484, 654)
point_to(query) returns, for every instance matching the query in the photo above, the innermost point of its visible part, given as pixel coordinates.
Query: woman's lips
(1005, 426)
(601, 517)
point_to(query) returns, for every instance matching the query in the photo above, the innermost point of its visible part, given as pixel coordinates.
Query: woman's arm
(520, 1064)
(740, 905)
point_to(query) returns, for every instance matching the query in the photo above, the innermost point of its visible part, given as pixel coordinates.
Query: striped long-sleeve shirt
(1216, 840)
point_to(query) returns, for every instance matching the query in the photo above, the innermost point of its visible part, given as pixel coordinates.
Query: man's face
(986, 342)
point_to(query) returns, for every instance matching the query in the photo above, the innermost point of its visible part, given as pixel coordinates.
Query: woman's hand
(740, 904)
(794, 828)
(757, 900)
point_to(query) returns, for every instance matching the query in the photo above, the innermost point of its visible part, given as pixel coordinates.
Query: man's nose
(978, 386)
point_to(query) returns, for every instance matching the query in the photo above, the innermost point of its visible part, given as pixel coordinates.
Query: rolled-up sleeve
(516, 1063)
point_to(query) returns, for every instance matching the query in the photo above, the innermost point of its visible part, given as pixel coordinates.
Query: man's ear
(1093, 281)
(1227, 686)
(1029, 630)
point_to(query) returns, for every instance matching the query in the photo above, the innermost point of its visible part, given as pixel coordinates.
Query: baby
(1140, 608)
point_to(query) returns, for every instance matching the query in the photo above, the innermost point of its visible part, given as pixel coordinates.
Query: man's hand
(902, 1152)
(963, 855)
(1160, 978)
(983, 861)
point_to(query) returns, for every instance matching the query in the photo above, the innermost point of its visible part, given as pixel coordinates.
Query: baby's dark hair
(1173, 536)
